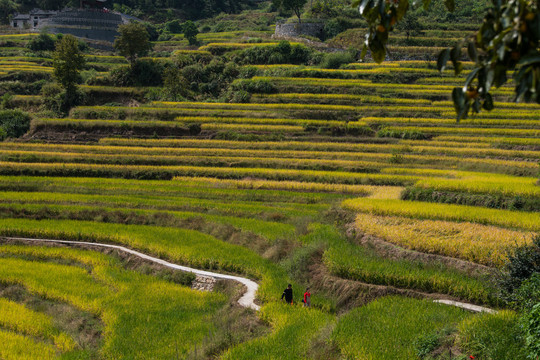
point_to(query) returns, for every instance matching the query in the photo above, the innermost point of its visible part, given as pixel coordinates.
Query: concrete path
(247, 300)
(470, 307)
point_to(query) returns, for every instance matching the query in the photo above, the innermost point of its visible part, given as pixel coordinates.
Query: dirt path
(247, 300)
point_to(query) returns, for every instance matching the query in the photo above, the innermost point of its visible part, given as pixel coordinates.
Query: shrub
(532, 329)
(142, 73)
(13, 123)
(523, 263)
(255, 86)
(282, 53)
(335, 60)
(174, 26)
(43, 42)
(61, 101)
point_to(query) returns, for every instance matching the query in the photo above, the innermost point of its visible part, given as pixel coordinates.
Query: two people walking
(288, 296)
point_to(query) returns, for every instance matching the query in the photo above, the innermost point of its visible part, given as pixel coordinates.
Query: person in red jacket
(307, 298)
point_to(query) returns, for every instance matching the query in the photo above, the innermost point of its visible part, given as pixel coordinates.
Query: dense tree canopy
(133, 41)
(508, 40)
(68, 61)
(296, 6)
(190, 32)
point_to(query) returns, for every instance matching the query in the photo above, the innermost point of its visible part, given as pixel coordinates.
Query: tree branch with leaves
(507, 40)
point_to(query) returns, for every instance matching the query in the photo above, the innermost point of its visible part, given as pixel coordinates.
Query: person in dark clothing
(287, 294)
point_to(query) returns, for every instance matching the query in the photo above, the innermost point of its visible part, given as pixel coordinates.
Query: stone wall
(296, 29)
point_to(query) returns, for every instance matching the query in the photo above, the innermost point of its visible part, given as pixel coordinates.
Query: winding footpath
(247, 300)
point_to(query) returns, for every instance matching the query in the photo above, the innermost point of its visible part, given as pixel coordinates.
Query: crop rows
(447, 212)
(473, 242)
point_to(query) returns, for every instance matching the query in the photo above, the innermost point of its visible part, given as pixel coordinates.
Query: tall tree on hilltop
(190, 32)
(295, 5)
(133, 41)
(68, 61)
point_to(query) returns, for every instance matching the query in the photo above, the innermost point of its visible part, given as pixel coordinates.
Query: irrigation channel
(247, 300)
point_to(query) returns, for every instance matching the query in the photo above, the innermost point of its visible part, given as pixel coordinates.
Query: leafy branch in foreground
(507, 40)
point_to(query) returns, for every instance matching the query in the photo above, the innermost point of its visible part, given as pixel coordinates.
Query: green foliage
(254, 86)
(523, 263)
(507, 40)
(296, 6)
(406, 134)
(337, 59)
(175, 85)
(388, 327)
(7, 7)
(13, 123)
(493, 336)
(528, 294)
(211, 79)
(532, 328)
(140, 73)
(410, 25)
(173, 26)
(133, 41)
(425, 344)
(338, 24)
(282, 53)
(68, 61)
(165, 311)
(190, 32)
(43, 42)
(294, 328)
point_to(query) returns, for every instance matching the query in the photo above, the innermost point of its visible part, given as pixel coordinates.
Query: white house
(31, 20)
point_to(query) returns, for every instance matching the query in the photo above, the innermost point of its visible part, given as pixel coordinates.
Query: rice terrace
(286, 179)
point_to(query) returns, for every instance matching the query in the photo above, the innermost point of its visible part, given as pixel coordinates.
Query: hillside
(274, 160)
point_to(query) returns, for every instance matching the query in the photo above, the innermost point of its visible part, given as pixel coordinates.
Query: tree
(43, 42)
(176, 86)
(295, 5)
(190, 32)
(410, 25)
(508, 40)
(7, 7)
(68, 61)
(133, 41)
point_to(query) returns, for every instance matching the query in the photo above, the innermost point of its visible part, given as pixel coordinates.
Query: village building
(32, 20)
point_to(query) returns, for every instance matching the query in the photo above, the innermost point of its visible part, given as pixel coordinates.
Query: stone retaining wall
(297, 29)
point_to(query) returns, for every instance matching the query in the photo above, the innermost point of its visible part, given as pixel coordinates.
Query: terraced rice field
(237, 187)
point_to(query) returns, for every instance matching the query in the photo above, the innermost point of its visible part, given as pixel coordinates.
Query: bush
(282, 53)
(532, 328)
(335, 60)
(43, 42)
(174, 27)
(523, 262)
(254, 86)
(58, 100)
(13, 123)
(142, 73)
(528, 294)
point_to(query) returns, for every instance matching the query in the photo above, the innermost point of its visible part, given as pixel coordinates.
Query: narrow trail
(247, 300)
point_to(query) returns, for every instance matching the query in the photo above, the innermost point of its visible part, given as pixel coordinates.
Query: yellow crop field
(448, 212)
(477, 243)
